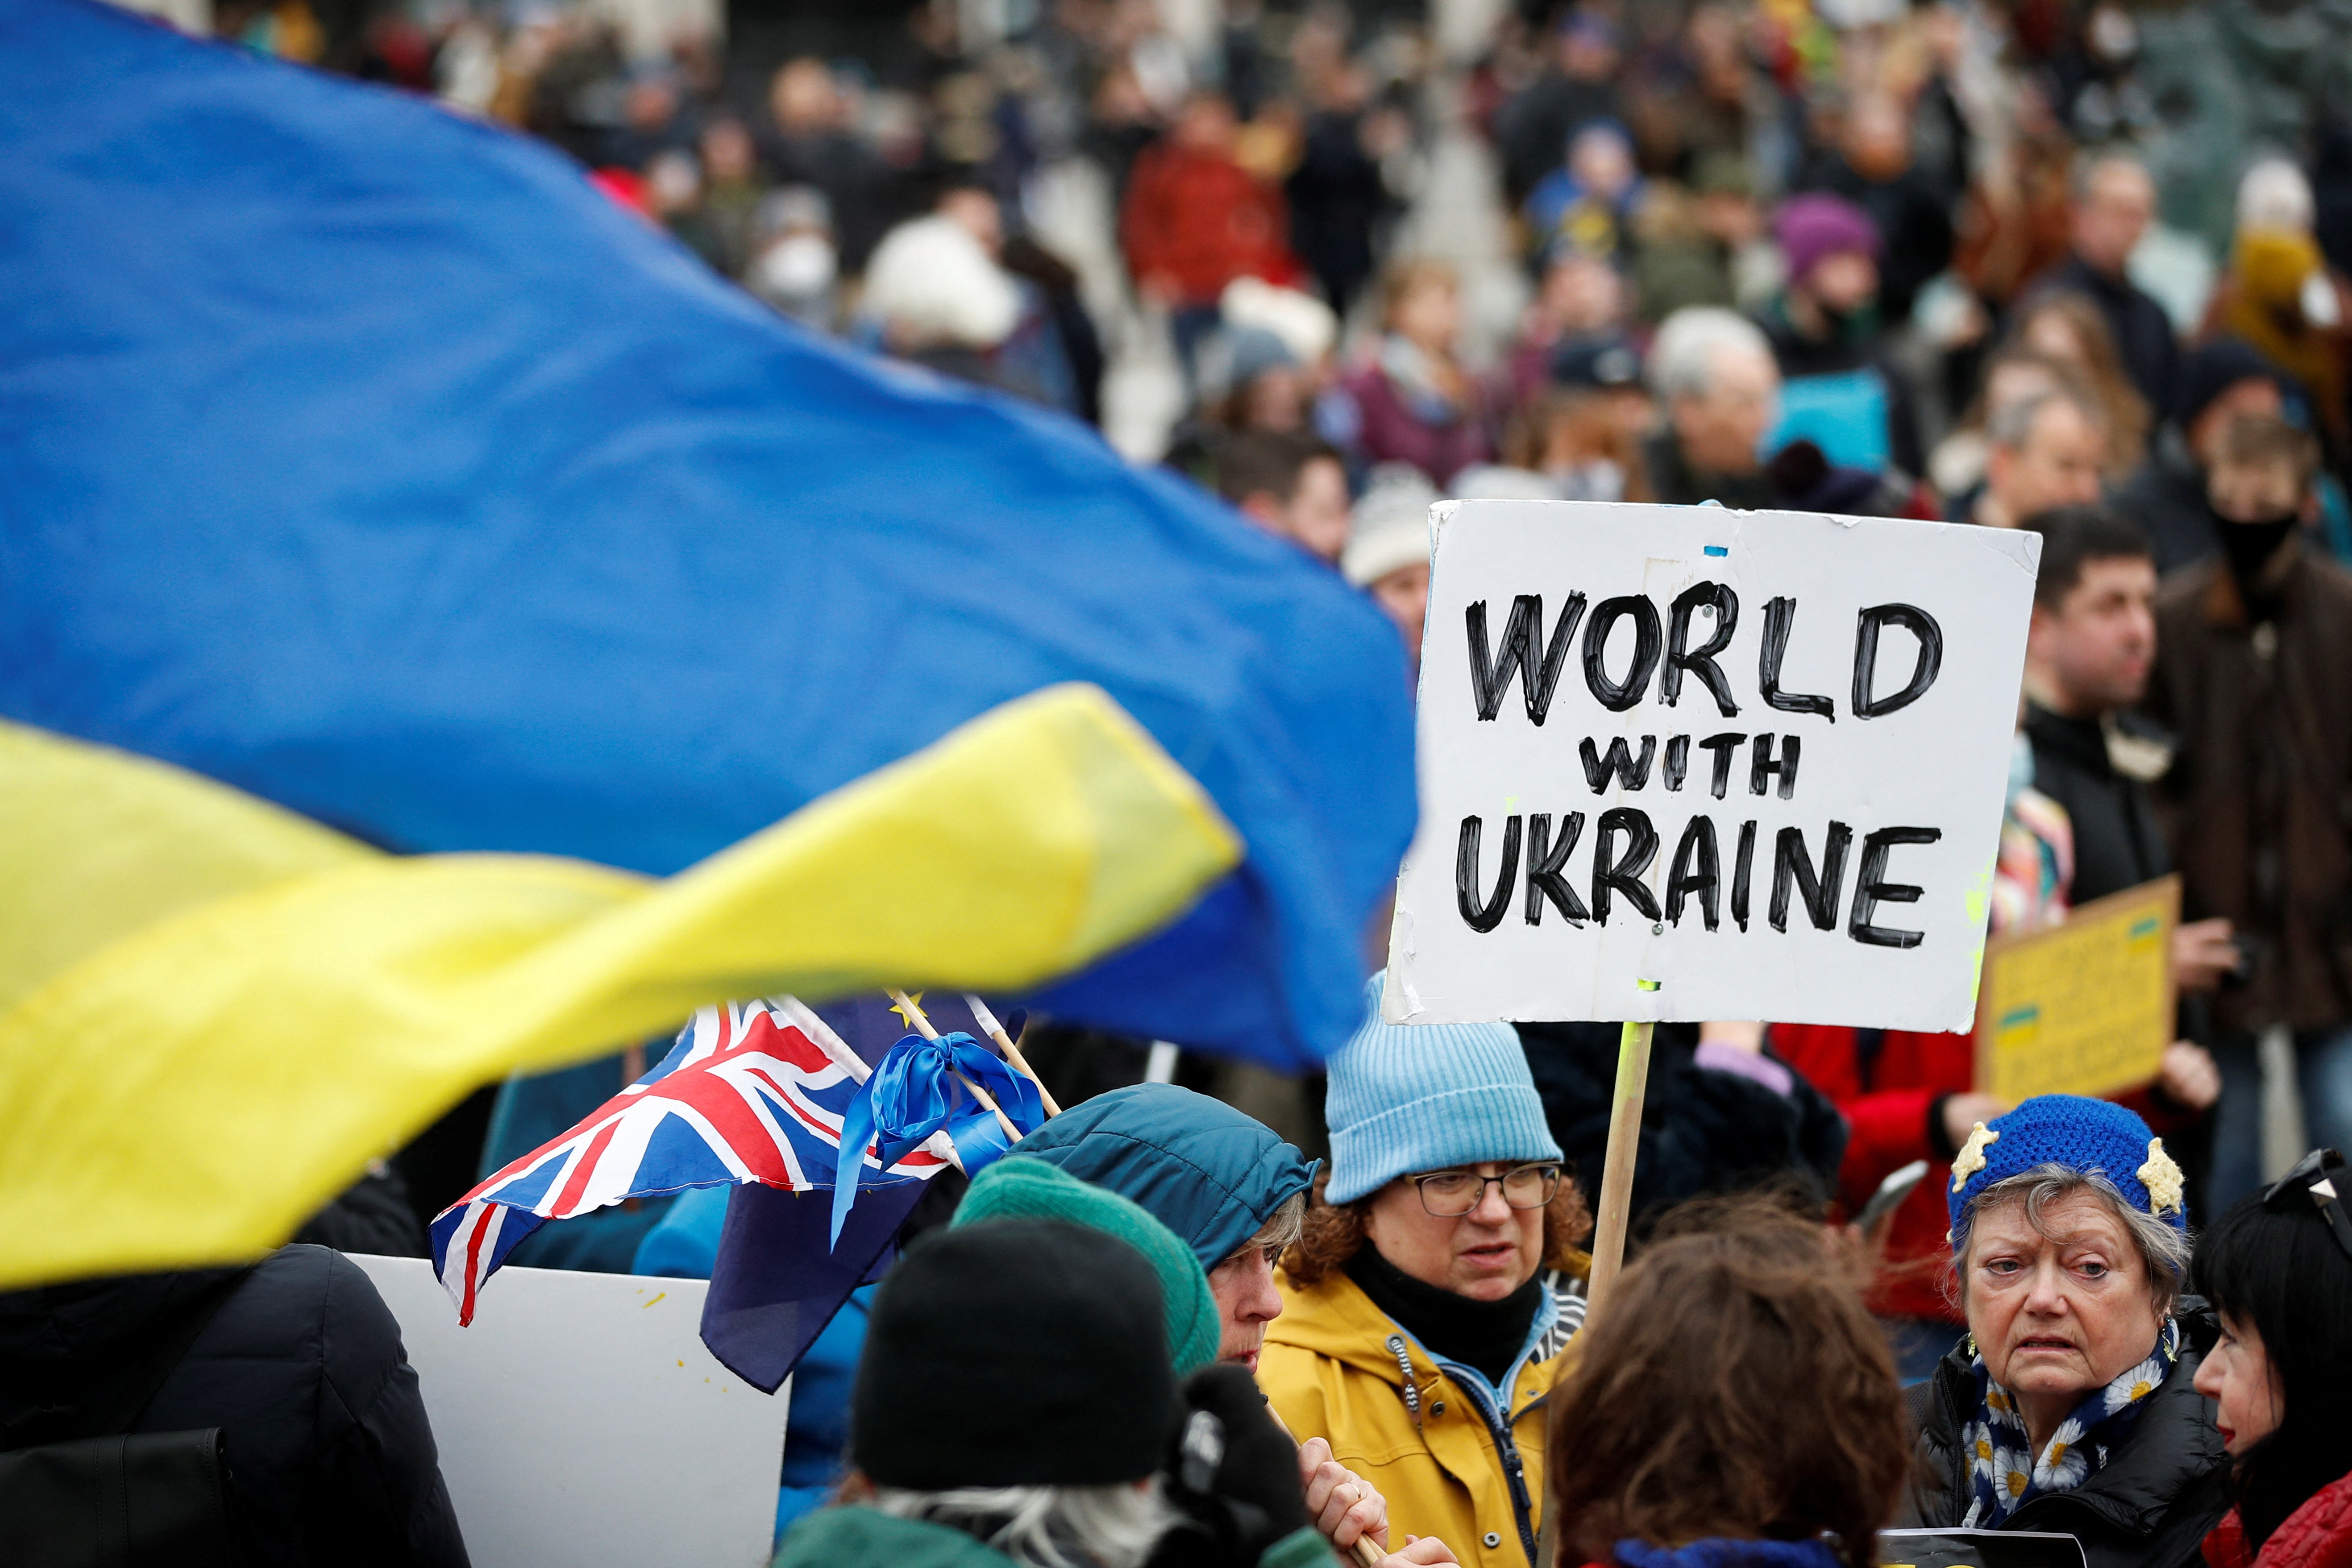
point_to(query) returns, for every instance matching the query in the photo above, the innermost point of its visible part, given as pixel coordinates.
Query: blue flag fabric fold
(782, 1273)
(366, 458)
(914, 1093)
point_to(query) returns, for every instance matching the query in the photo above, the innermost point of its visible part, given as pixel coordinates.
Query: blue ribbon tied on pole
(913, 1094)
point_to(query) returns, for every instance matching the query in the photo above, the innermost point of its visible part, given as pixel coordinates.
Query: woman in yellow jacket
(1425, 1309)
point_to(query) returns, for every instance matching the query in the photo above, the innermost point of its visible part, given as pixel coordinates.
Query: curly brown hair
(1334, 1233)
(1732, 1385)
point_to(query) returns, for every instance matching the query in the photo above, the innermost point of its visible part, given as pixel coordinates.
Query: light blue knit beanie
(1420, 1097)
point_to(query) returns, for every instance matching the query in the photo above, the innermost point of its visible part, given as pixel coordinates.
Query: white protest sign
(1756, 759)
(580, 1421)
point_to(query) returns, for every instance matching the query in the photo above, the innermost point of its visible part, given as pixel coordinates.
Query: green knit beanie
(1020, 1187)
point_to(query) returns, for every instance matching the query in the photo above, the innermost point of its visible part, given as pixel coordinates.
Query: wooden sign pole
(1617, 1174)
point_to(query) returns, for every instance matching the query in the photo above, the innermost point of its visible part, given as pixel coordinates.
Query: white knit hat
(1390, 525)
(932, 284)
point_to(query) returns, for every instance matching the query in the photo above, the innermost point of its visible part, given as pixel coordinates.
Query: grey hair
(2012, 424)
(1681, 358)
(2163, 1248)
(1111, 1526)
(1282, 1227)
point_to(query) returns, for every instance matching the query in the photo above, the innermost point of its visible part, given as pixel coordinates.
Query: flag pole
(987, 1021)
(914, 1015)
(1617, 1174)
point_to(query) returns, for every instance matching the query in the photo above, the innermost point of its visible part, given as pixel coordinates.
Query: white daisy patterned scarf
(2004, 1474)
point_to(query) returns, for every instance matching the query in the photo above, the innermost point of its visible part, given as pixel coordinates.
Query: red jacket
(1203, 221)
(1885, 1102)
(2316, 1535)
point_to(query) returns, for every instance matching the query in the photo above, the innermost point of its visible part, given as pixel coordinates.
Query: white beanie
(1304, 323)
(1390, 525)
(930, 283)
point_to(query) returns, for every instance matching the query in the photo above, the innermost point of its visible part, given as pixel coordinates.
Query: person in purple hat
(1838, 390)
(2072, 1406)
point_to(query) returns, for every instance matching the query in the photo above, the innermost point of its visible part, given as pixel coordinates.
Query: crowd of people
(1157, 1334)
(1735, 1407)
(2078, 269)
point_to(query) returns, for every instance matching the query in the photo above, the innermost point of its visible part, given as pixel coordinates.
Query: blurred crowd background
(1975, 259)
(1331, 259)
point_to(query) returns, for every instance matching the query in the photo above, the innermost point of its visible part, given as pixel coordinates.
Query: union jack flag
(752, 1092)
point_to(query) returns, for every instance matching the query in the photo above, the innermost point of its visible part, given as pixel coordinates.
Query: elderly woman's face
(1484, 1254)
(2063, 1312)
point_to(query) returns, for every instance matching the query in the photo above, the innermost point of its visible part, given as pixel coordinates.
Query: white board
(582, 1422)
(1903, 803)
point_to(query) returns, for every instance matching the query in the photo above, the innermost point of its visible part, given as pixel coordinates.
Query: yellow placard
(2085, 1008)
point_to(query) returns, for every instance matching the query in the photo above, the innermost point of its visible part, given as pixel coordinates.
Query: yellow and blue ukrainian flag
(445, 630)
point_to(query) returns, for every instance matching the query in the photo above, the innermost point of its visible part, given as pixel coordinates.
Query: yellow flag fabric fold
(187, 1092)
(96, 842)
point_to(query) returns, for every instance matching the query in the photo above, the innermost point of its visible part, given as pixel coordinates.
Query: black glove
(1231, 1472)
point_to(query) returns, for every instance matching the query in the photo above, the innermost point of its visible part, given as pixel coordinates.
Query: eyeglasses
(1450, 1194)
(2312, 1175)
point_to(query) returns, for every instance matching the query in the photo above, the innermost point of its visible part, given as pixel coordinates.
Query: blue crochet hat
(2080, 1134)
(1419, 1097)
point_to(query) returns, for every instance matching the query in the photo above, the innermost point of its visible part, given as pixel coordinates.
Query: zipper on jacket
(1515, 1470)
(1474, 1387)
(1521, 1504)
(1412, 1389)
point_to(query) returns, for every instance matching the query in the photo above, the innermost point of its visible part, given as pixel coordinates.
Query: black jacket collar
(2080, 741)
(2173, 1458)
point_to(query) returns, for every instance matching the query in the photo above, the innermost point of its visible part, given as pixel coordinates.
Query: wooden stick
(923, 1027)
(1012, 1133)
(1617, 1174)
(1020, 1063)
(821, 1032)
(1366, 1550)
(849, 1062)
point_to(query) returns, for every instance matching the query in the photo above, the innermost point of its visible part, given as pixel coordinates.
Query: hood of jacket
(2173, 1458)
(854, 1537)
(1196, 1165)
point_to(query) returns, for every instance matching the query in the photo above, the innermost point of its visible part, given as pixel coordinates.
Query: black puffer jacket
(2119, 841)
(298, 1362)
(1703, 1132)
(2149, 1506)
